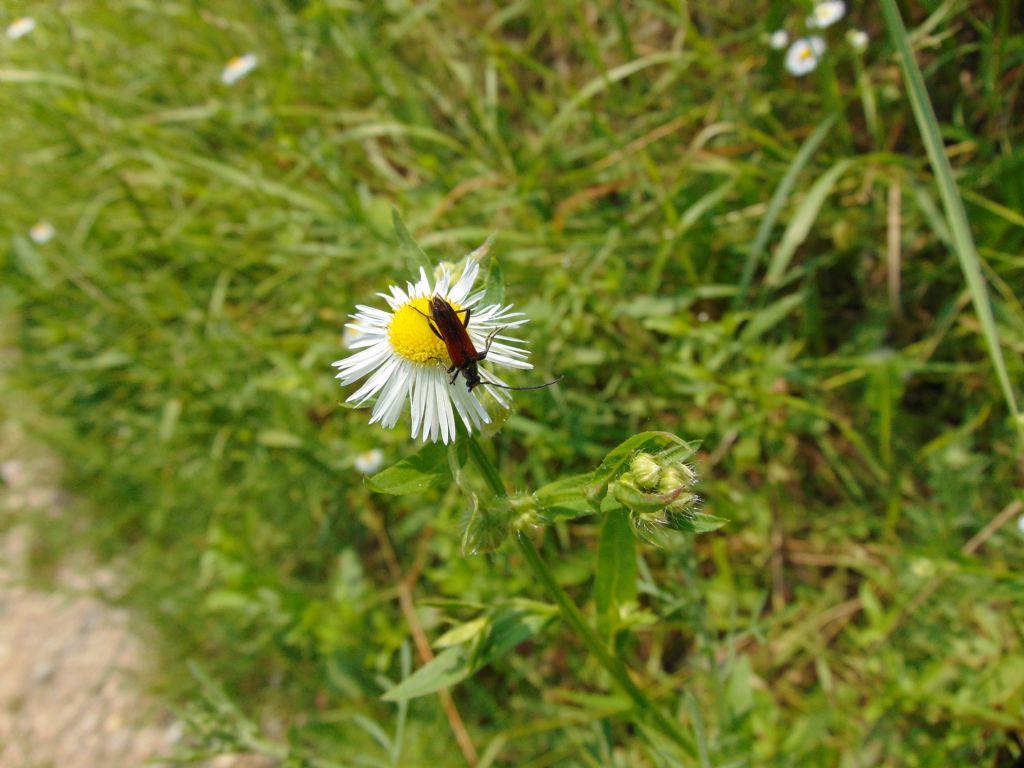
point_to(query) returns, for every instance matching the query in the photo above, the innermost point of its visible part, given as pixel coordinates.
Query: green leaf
(449, 667)
(956, 216)
(565, 498)
(410, 247)
(494, 286)
(779, 197)
(510, 625)
(425, 469)
(803, 219)
(695, 522)
(507, 626)
(633, 498)
(770, 316)
(615, 582)
(278, 438)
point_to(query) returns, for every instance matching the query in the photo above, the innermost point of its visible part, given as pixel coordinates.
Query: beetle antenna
(522, 389)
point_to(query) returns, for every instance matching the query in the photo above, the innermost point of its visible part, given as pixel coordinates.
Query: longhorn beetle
(446, 324)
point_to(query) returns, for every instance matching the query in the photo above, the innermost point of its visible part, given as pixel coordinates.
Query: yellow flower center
(806, 53)
(410, 334)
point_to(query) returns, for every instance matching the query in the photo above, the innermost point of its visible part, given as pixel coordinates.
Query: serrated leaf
(425, 469)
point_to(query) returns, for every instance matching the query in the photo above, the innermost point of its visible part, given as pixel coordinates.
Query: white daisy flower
(406, 360)
(369, 461)
(858, 39)
(238, 67)
(803, 55)
(826, 14)
(778, 39)
(42, 232)
(20, 27)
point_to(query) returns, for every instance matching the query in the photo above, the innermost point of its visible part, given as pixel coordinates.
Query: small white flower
(1020, 523)
(858, 39)
(20, 27)
(238, 67)
(778, 39)
(803, 55)
(42, 232)
(369, 461)
(826, 14)
(406, 361)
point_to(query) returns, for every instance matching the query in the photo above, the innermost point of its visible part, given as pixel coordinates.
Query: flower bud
(676, 476)
(645, 471)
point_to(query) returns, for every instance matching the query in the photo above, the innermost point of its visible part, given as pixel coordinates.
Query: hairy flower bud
(646, 471)
(676, 476)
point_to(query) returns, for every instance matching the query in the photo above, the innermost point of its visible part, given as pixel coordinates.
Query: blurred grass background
(863, 607)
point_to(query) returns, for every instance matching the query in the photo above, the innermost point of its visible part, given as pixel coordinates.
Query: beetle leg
(453, 378)
(487, 345)
(465, 323)
(430, 324)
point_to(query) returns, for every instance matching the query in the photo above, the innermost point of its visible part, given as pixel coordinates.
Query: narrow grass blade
(963, 241)
(778, 199)
(800, 226)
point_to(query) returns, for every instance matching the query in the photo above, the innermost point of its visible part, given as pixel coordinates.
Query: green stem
(612, 665)
(572, 615)
(486, 466)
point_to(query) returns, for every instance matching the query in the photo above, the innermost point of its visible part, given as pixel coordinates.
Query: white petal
(389, 405)
(373, 314)
(448, 416)
(373, 384)
(460, 290)
(373, 356)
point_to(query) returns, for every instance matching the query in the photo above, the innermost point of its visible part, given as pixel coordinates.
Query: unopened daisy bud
(676, 476)
(645, 471)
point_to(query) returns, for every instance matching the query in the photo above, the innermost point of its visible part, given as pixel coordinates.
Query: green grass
(790, 271)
